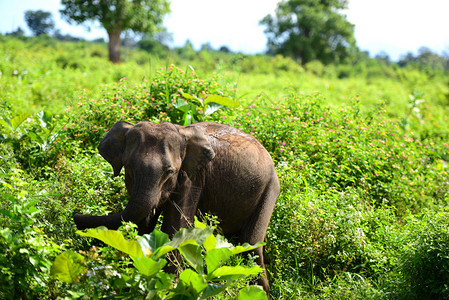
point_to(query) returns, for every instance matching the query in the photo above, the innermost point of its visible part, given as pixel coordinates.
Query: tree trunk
(114, 46)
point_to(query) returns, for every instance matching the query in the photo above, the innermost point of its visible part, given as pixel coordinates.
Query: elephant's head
(154, 156)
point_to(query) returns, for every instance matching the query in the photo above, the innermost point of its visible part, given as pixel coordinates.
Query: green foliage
(424, 265)
(364, 182)
(341, 148)
(310, 30)
(206, 277)
(162, 99)
(40, 22)
(198, 108)
(140, 16)
(26, 250)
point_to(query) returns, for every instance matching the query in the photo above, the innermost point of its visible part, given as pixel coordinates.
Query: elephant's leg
(255, 229)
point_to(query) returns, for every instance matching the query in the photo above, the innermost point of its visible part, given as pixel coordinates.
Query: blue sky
(393, 26)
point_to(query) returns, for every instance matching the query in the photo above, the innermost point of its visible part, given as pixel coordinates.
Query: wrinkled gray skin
(186, 171)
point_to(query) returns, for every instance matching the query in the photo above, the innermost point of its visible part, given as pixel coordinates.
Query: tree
(116, 16)
(18, 32)
(310, 30)
(39, 21)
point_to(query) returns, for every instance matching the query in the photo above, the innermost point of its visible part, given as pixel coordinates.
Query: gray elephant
(183, 171)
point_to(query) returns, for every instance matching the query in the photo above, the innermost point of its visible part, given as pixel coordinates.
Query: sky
(393, 26)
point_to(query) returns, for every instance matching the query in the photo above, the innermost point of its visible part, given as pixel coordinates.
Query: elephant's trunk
(137, 209)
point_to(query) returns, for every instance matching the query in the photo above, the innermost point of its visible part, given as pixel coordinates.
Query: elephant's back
(237, 177)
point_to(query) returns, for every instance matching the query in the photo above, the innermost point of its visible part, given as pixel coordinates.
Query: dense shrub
(423, 268)
(150, 100)
(344, 147)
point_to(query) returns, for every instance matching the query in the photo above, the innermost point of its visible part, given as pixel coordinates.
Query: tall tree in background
(39, 21)
(115, 16)
(310, 30)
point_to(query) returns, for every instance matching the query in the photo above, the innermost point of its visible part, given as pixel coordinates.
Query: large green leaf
(151, 242)
(193, 98)
(210, 243)
(222, 100)
(190, 236)
(232, 273)
(115, 239)
(148, 267)
(192, 253)
(67, 266)
(245, 247)
(253, 292)
(12, 124)
(195, 281)
(214, 289)
(212, 107)
(216, 258)
(182, 105)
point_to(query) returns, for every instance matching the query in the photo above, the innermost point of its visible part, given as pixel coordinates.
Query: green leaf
(232, 273)
(17, 120)
(222, 242)
(7, 124)
(195, 281)
(151, 242)
(245, 247)
(67, 266)
(199, 224)
(165, 281)
(148, 267)
(222, 100)
(214, 289)
(192, 253)
(181, 105)
(188, 96)
(194, 98)
(210, 243)
(253, 292)
(212, 107)
(216, 258)
(187, 118)
(192, 236)
(115, 239)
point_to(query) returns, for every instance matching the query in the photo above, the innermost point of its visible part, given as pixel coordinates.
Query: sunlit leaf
(190, 278)
(115, 239)
(222, 100)
(67, 266)
(210, 243)
(192, 253)
(212, 107)
(199, 224)
(192, 236)
(232, 273)
(17, 120)
(245, 247)
(153, 241)
(216, 258)
(253, 292)
(148, 267)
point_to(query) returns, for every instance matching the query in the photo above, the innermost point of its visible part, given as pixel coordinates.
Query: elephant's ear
(113, 145)
(198, 150)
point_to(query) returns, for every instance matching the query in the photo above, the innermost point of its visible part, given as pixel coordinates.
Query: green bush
(154, 101)
(204, 275)
(345, 147)
(27, 252)
(423, 270)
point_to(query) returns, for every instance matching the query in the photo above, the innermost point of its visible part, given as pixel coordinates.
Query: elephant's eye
(170, 171)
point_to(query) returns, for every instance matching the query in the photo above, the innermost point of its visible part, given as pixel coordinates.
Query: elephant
(185, 171)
